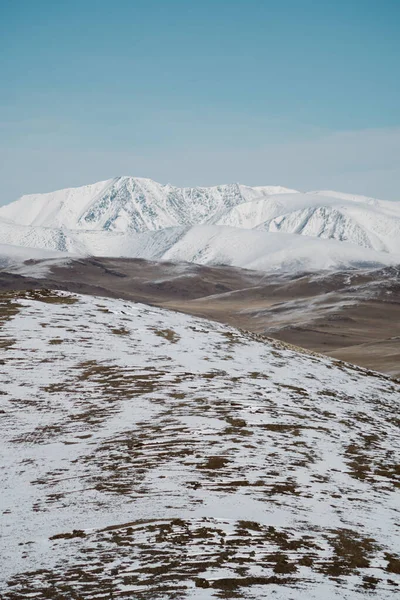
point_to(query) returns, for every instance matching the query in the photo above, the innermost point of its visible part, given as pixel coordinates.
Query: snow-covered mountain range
(131, 204)
(230, 224)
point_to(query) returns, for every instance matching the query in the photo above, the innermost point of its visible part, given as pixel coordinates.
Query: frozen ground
(146, 454)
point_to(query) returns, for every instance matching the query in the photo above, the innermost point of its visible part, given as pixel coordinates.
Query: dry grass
(351, 552)
(167, 334)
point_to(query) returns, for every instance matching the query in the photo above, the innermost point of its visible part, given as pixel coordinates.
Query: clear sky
(302, 93)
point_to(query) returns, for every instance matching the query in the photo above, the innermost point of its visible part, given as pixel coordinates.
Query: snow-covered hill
(134, 217)
(18, 259)
(149, 455)
(204, 244)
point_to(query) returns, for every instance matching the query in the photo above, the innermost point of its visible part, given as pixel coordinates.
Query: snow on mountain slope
(255, 193)
(150, 244)
(148, 455)
(205, 244)
(129, 204)
(374, 225)
(265, 251)
(344, 224)
(21, 254)
(32, 237)
(13, 258)
(55, 209)
(386, 204)
(89, 219)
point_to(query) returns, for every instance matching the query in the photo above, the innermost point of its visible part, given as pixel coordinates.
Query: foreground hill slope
(148, 454)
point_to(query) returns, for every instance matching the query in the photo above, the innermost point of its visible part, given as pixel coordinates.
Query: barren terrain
(350, 315)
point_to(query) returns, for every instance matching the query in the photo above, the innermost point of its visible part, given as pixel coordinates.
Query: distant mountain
(363, 221)
(137, 217)
(131, 204)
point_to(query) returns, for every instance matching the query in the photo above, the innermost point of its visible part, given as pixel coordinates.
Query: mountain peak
(138, 205)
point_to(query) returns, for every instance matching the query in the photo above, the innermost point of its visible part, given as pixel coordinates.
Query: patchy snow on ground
(146, 454)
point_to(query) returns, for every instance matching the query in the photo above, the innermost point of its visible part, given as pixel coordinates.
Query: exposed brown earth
(353, 316)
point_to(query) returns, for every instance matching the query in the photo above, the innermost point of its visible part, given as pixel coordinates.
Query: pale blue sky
(297, 92)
